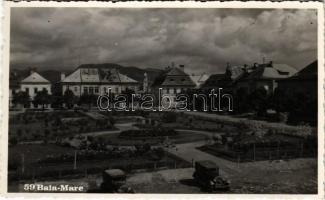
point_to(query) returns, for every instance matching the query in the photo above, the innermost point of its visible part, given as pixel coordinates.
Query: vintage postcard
(221, 99)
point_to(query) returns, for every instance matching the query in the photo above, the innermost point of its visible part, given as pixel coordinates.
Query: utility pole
(23, 163)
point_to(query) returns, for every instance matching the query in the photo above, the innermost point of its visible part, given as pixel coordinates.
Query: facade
(97, 80)
(35, 83)
(173, 81)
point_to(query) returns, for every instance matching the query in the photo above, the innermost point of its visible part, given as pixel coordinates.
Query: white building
(97, 80)
(35, 83)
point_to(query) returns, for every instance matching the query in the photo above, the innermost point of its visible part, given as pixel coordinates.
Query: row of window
(35, 90)
(173, 90)
(95, 90)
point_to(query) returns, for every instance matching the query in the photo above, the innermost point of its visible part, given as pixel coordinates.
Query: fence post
(254, 153)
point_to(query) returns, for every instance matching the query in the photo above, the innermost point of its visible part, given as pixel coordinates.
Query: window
(171, 90)
(27, 90)
(96, 90)
(91, 90)
(178, 90)
(85, 90)
(104, 90)
(35, 90)
(116, 90)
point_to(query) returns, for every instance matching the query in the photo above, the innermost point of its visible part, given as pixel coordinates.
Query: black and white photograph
(164, 100)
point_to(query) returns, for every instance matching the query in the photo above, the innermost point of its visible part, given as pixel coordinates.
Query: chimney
(31, 70)
(62, 76)
(182, 67)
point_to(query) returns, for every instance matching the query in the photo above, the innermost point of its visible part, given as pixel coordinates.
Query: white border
(4, 71)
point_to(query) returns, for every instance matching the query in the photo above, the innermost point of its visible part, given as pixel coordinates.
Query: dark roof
(217, 80)
(173, 77)
(207, 164)
(307, 73)
(114, 172)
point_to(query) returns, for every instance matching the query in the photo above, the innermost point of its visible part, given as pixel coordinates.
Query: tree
(259, 101)
(42, 98)
(88, 99)
(240, 101)
(69, 98)
(21, 98)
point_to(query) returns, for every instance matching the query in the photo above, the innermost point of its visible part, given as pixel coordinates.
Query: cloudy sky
(202, 39)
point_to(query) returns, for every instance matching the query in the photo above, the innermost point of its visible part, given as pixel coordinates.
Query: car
(207, 175)
(113, 181)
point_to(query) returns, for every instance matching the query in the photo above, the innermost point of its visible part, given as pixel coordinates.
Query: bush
(169, 117)
(158, 132)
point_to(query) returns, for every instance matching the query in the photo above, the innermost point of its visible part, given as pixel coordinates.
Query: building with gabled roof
(263, 76)
(173, 81)
(92, 79)
(35, 83)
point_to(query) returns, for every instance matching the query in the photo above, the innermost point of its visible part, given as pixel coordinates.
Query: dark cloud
(202, 39)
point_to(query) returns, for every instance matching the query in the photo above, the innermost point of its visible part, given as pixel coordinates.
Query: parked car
(207, 176)
(114, 181)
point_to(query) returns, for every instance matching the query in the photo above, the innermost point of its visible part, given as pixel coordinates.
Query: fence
(66, 171)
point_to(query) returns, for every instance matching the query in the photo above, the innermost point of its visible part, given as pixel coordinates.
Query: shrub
(169, 117)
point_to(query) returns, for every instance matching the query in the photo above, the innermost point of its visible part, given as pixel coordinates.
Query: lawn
(32, 126)
(183, 137)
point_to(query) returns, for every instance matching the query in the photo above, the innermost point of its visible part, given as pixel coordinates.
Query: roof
(270, 71)
(309, 72)
(114, 172)
(207, 164)
(98, 74)
(235, 71)
(217, 80)
(35, 77)
(199, 79)
(174, 77)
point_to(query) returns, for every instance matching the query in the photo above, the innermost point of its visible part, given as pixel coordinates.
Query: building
(35, 83)
(225, 80)
(199, 79)
(91, 79)
(304, 81)
(173, 81)
(263, 76)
